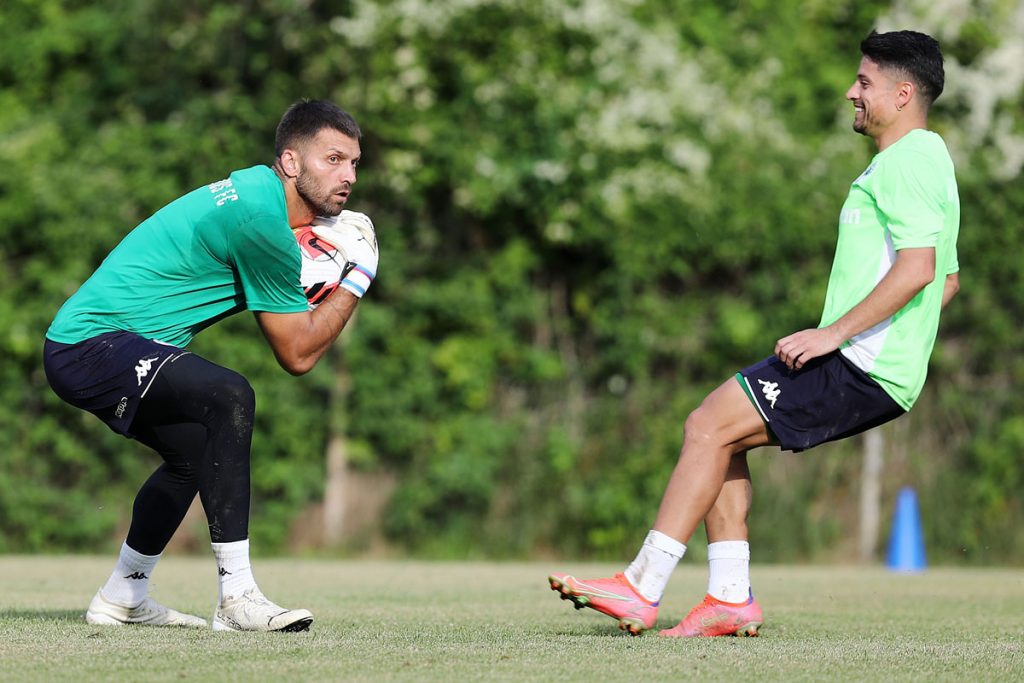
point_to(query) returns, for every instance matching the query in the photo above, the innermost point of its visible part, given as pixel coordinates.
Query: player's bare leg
(728, 607)
(727, 518)
(726, 424)
(726, 524)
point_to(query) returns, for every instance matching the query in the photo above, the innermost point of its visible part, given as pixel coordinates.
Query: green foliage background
(590, 214)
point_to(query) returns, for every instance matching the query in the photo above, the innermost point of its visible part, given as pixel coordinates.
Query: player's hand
(800, 347)
(362, 223)
(353, 234)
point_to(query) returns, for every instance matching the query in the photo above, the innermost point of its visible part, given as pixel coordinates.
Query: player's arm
(911, 272)
(950, 288)
(299, 340)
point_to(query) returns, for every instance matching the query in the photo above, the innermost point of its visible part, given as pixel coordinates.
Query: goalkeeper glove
(353, 235)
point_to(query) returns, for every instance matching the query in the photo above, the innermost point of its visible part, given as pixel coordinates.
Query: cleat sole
(297, 626)
(749, 630)
(578, 601)
(631, 627)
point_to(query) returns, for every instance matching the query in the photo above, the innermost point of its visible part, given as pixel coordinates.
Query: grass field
(416, 621)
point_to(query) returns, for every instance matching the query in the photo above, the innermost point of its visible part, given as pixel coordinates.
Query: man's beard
(866, 121)
(316, 196)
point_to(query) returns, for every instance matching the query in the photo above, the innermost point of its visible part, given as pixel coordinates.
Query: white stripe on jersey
(864, 348)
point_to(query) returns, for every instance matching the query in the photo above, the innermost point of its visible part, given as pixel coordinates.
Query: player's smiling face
(328, 171)
(873, 95)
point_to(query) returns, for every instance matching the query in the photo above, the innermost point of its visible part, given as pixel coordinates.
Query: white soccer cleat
(251, 611)
(103, 612)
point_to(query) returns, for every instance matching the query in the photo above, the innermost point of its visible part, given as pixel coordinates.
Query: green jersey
(906, 198)
(217, 250)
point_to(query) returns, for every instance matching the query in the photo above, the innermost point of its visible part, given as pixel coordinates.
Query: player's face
(873, 95)
(328, 171)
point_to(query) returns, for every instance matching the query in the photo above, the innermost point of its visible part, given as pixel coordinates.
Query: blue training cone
(906, 544)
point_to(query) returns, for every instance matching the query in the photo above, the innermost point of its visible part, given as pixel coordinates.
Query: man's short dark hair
(305, 118)
(914, 55)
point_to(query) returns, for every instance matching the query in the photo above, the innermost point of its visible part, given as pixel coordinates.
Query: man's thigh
(108, 375)
(193, 389)
(728, 415)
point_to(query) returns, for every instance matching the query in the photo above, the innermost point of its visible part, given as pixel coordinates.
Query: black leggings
(199, 417)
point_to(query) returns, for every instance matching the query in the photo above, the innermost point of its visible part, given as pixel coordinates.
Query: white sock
(234, 568)
(729, 571)
(654, 564)
(129, 582)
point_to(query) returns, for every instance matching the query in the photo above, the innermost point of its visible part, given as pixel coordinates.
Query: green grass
(417, 621)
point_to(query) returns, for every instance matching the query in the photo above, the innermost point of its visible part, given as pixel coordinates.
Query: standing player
(117, 349)
(895, 268)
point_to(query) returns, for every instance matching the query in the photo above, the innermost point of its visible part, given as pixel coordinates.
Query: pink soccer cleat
(615, 597)
(716, 618)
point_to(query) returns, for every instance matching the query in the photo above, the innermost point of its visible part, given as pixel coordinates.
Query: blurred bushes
(590, 213)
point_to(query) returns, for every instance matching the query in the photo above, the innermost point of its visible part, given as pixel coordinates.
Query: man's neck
(300, 213)
(895, 132)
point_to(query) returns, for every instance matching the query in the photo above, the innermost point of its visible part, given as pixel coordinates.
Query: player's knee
(180, 473)
(234, 397)
(701, 426)
(695, 425)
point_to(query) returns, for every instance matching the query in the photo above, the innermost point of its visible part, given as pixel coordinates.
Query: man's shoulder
(921, 147)
(256, 185)
(920, 156)
(248, 195)
(257, 175)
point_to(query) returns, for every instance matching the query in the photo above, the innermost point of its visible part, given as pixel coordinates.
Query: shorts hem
(757, 406)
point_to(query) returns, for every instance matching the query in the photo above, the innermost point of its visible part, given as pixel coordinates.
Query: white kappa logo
(770, 390)
(143, 368)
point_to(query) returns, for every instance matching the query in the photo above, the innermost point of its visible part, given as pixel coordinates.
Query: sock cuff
(729, 550)
(231, 550)
(665, 544)
(134, 558)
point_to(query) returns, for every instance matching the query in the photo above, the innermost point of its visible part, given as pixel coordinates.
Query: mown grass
(417, 621)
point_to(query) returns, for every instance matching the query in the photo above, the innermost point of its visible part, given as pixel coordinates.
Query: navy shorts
(827, 399)
(107, 375)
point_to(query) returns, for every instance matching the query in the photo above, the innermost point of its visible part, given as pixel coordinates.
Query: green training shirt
(217, 250)
(907, 197)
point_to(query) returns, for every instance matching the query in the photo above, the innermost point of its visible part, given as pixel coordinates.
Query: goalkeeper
(117, 348)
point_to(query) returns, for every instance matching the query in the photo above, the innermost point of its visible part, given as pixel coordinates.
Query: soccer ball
(323, 266)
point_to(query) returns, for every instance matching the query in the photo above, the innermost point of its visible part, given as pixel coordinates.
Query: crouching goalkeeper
(118, 349)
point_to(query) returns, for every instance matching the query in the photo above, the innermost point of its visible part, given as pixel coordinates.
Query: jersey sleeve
(912, 197)
(267, 259)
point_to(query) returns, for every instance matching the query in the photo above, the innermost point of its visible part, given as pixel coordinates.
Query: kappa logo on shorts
(143, 368)
(770, 390)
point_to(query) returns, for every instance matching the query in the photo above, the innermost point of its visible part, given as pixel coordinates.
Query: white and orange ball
(323, 266)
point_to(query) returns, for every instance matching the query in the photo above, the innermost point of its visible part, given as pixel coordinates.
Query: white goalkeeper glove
(353, 235)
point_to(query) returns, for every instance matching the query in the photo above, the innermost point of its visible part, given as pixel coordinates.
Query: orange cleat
(716, 618)
(615, 597)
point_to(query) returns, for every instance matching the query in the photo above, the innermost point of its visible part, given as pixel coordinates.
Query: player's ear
(905, 91)
(290, 163)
